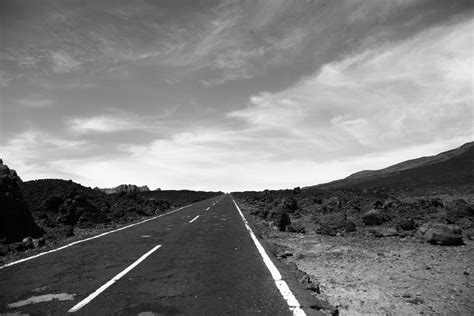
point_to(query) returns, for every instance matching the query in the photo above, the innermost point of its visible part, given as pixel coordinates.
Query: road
(200, 260)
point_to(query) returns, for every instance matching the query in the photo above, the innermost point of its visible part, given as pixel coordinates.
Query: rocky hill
(16, 221)
(451, 170)
(125, 188)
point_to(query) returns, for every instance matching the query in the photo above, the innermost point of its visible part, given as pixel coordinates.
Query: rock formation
(126, 188)
(16, 221)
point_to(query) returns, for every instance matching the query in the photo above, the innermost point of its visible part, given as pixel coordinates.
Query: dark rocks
(125, 188)
(16, 221)
(280, 218)
(260, 212)
(290, 204)
(308, 283)
(325, 229)
(375, 217)
(296, 228)
(459, 210)
(332, 204)
(347, 226)
(382, 231)
(406, 224)
(441, 234)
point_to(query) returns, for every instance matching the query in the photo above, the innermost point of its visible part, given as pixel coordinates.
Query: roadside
(373, 269)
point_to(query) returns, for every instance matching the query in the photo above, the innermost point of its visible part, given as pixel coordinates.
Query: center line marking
(194, 219)
(85, 301)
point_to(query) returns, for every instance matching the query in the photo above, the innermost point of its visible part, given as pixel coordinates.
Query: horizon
(231, 95)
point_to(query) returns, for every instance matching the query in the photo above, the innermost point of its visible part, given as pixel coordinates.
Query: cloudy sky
(230, 95)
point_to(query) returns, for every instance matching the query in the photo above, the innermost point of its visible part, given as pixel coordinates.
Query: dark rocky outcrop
(125, 188)
(290, 204)
(441, 234)
(375, 217)
(16, 221)
(280, 218)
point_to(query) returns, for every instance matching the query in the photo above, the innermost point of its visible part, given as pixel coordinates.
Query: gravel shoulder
(363, 275)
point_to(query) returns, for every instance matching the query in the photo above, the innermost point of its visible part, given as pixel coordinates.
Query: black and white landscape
(341, 131)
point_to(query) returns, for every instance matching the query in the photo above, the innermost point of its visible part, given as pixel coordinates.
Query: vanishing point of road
(203, 259)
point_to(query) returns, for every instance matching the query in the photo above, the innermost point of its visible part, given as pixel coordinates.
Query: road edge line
(90, 238)
(101, 289)
(285, 291)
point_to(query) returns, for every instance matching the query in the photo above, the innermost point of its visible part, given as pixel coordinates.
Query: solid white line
(101, 289)
(293, 304)
(194, 219)
(90, 238)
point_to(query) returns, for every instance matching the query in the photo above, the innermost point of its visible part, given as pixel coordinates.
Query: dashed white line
(85, 301)
(293, 304)
(194, 219)
(207, 209)
(90, 238)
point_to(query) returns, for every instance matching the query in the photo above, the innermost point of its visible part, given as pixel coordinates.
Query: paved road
(200, 260)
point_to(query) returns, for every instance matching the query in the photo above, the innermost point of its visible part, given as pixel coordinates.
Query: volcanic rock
(290, 204)
(126, 188)
(16, 221)
(280, 218)
(441, 234)
(375, 217)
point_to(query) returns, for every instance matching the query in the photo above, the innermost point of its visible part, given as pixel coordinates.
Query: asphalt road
(200, 260)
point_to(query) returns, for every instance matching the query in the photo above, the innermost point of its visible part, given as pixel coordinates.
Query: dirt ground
(363, 275)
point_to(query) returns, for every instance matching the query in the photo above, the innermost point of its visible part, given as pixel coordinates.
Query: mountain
(414, 163)
(453, 168)
(126, 188)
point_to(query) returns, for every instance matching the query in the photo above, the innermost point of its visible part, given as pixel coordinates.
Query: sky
(231, 95)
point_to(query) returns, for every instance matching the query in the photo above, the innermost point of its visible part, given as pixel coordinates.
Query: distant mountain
(126, 188)
(413, 163)
(451, 168)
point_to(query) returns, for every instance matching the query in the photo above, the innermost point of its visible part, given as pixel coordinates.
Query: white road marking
(145, 236)
(207, 209)
(85, 301)
(293, 304)
(194, 219)
(41, 299)
(90, 238)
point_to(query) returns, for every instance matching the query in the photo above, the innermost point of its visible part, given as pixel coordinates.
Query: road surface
(200, 260)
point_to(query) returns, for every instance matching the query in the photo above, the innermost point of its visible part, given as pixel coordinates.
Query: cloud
(407, 92)
(105, 124)
(36, 102)
(34, 152)
(63, 62)
(214, 159)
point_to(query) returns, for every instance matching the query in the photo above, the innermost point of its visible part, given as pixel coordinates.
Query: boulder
(441, 234)
(347, 226)
(16, 221)
(391, 202)
(458, 210)
(375, 217)
(325, 229)
(383, 231)
(280, 218)
(260, 212)
(406, 224)
(332, 204)
(296, 228)
(290, 204)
